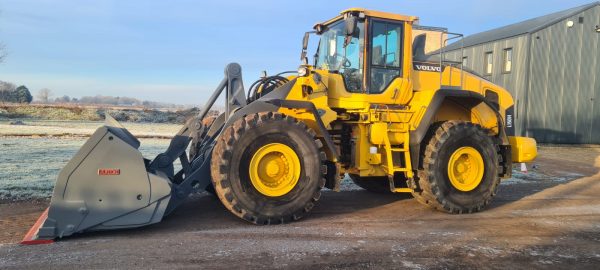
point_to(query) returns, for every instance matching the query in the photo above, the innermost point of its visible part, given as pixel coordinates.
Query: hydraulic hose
(265, 85)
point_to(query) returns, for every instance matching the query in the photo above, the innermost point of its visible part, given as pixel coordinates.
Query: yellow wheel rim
(466, 168)
(274, 169)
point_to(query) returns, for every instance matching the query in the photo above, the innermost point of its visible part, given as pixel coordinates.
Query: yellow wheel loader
(372, 105)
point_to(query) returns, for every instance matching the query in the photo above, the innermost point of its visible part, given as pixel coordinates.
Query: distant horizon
(175, 52)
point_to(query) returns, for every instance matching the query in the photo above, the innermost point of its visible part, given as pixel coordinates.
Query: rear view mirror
(305, 40)
(350, 29)
(305, 46)
(351, 23)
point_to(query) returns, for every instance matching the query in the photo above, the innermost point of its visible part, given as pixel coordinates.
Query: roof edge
(454, 46)
(583, 8)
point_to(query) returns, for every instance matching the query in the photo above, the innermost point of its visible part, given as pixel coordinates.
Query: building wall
(563, 104)
(557, 95)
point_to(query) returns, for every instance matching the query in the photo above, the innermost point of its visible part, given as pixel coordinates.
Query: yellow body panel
(480, 114)
(319, 97)
(523, 149)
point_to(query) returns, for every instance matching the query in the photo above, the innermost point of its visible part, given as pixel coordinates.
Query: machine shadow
(204, 212)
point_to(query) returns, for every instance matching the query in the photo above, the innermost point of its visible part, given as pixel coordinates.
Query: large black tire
(231, 161)
(432, 185)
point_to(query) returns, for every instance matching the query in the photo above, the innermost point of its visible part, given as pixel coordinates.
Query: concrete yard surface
(548, 218)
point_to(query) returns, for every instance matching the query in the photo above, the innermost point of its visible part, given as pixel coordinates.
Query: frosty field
(81, 128)
(31, 155)
(29, 166)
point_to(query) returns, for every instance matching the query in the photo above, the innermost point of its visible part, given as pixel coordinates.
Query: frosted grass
(82, 128)
(29, 166)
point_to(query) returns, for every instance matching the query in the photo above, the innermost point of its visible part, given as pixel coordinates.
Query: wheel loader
(370, 105)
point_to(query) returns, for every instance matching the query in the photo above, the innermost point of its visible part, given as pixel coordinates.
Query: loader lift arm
(195, 174)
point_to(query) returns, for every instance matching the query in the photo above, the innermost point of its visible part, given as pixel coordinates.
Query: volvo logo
(427, 67)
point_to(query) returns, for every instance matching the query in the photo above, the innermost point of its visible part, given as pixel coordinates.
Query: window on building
(508, 55)
(465, 62)
(489, 63)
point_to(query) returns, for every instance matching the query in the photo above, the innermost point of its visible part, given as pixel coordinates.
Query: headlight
(302, 71)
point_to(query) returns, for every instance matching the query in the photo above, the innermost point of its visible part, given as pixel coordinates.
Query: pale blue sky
(175, 51)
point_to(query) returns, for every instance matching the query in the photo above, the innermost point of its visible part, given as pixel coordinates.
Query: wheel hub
(274, 169)
(466, 169)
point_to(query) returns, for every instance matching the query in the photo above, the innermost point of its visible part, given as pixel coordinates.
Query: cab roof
(373, 13)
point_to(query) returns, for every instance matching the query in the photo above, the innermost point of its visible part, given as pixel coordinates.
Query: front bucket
(106, 185)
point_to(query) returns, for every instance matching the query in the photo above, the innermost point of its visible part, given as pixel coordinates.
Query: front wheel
(268, 168)
(460, 168)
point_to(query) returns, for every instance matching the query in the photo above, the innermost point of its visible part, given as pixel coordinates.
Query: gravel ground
(546, 218)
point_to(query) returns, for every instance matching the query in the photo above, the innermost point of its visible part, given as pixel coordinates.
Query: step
(402, 190)
(397, 169)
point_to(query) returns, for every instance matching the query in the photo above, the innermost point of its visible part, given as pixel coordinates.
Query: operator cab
(367, 48)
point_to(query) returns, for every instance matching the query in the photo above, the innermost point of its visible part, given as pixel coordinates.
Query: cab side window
(386, 55)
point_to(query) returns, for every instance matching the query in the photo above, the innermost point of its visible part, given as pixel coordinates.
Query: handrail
(443, 44)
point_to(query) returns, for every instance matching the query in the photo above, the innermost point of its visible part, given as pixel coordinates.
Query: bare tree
(2, 52)
(7, 86)
(63, 99)
(6, 91)
(44, 95)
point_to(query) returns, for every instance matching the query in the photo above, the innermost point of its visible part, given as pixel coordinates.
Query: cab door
(386, 69)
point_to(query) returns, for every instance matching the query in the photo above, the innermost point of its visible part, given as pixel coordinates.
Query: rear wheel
(461, 168)
(268, 168)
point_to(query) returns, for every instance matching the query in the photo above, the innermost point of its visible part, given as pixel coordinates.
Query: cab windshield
(346, 60)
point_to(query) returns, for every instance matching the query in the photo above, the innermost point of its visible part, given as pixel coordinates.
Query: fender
(277, 99)
(416, 136)
(309, 106)
(273, 105)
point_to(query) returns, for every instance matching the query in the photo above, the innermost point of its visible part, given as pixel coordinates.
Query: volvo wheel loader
(371, 105)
